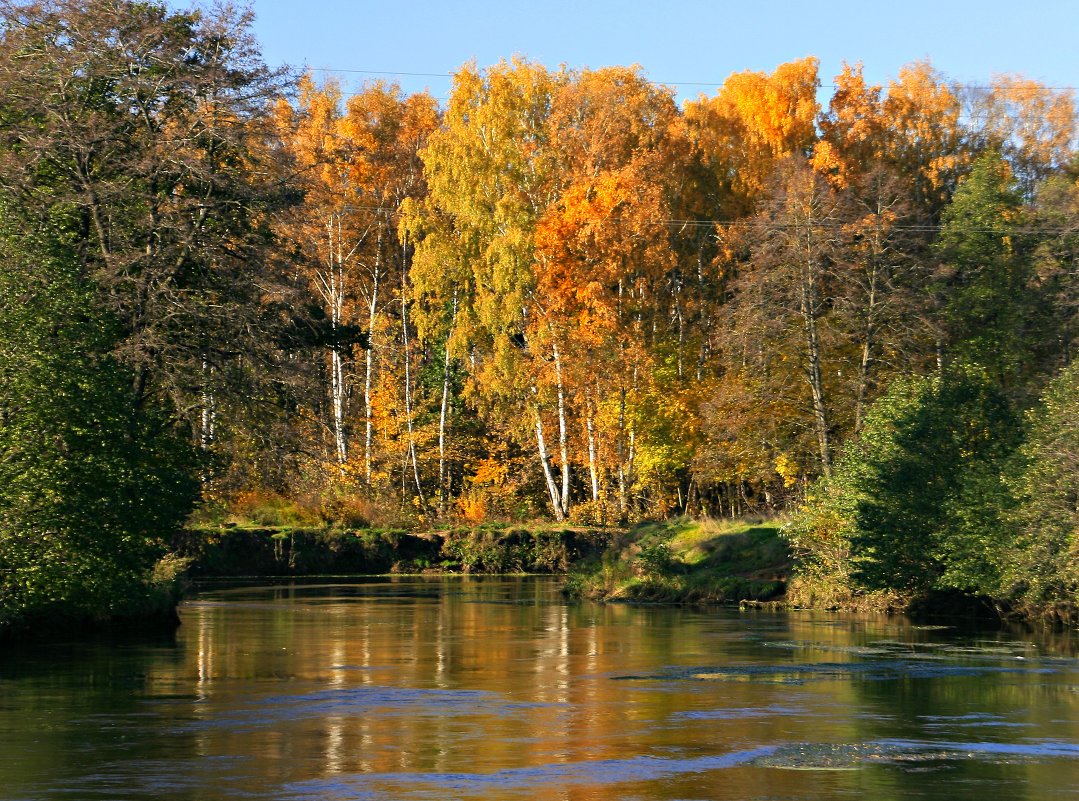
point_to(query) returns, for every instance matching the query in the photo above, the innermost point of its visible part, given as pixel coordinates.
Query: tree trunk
(368, 438)
(408, 376)
(552, 487)
(623, 489)
(563, 443)
(208, 414)
(442, 415)
(867, 351)
(333, 291)
(808, 305)
(590, 435)
(681, 325)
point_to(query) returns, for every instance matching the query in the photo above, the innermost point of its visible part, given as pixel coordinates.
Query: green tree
(152, 126)
(916, 502)
(990, 309)
(91, 483)
(1043, 569)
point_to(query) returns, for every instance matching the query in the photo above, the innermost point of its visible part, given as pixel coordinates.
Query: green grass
(688, 561)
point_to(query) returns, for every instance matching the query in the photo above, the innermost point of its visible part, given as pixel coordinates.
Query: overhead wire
(390, 73)
(823, 224)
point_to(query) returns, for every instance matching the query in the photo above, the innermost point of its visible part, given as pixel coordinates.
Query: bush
(655, 559)
(92, 478)
(1042, 564)
(591, 513)
(916, 503)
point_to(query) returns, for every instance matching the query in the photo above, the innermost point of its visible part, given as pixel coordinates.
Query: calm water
(495, 689)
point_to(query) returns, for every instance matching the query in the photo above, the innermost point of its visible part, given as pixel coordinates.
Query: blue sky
(676, 41)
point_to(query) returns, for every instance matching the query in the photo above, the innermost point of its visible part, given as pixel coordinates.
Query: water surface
(495, 688)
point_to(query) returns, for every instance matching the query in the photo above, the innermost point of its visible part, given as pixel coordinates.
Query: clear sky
(692, 45)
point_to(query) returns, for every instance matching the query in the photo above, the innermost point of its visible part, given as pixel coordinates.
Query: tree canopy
(556, 293)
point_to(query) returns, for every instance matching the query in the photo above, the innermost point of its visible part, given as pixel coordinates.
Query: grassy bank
(687, 561)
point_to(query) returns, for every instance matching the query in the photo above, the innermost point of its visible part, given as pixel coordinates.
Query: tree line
(559, 293)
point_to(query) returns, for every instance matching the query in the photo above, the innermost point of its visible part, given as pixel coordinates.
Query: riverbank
(677, 561)
(146, 608)
(237, 550)
(688, 561)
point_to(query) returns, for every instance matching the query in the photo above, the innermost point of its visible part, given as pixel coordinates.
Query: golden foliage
(755, 121)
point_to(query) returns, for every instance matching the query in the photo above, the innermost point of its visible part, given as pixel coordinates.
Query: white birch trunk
(332, 288)
(369, 430)
(563, 442)
(552, 487)
(868, 337)
(443, 413)
(590, 435)
(623, 486)
(408, 378)
(208, 415)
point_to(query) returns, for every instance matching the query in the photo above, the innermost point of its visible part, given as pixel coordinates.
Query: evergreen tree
(990, 307)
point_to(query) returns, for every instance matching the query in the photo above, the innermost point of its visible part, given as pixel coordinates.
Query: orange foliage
(852, 131)
(921, 114)
(755, 121)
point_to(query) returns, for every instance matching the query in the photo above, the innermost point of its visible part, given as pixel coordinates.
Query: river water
(495, 688)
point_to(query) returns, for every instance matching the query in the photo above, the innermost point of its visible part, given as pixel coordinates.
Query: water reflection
(495, 689)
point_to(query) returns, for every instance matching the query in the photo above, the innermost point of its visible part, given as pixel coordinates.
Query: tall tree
(92, 481)
(153, 126)
(385, 132)
(879, 305)
(783, 294)
(355, 163)
(606, 262)
(489, 170)
(990, 307)
(326, 231)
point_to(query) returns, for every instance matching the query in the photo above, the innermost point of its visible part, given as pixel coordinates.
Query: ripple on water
(740, 713)
(514, 781)
(972, 720)
(849, 756)
(353, 701)
(913, 755)
(890, 670)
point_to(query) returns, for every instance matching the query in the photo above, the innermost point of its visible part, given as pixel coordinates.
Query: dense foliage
(557, 294)
(915, 502)
(131, 245)
(1041, 571)
(89, 480)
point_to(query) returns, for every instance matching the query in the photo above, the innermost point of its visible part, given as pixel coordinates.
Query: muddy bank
(266, 551)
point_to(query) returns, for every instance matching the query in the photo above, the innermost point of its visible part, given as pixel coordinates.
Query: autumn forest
(556, 294)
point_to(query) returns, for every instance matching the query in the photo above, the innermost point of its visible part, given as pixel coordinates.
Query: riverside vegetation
(557, 296)
(686, 561)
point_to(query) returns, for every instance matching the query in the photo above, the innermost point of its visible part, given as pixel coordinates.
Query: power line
(822, 224)
(383, 72)
(349, 70)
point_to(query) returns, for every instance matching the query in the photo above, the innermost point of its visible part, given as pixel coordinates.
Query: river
(495, 688)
